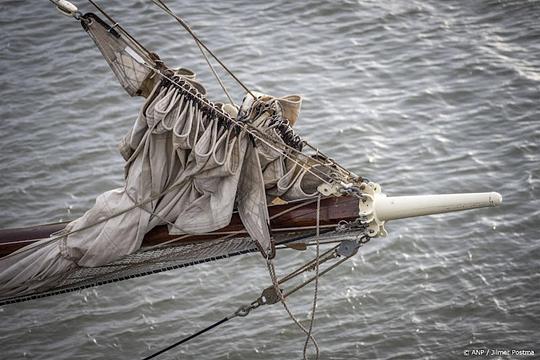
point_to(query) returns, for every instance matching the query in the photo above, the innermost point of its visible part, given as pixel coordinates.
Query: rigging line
(227, 318)
(200, 44)
(326, 157)
(274, 281)
(272, 272)
(316, 290)
(117, 25)
(298, 152)
(215, 74)
(163, 244)
(330, 159)
(280, 229)
(318, 152)
(274, 278)
(325, 242)
(165, 8)
(186, 339)
(316, 160)
(244, 126)
(327, 255)
(331, 267)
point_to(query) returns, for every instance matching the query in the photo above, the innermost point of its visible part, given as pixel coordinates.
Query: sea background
(420, 96)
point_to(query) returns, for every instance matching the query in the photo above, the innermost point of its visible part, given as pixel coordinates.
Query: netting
(165, 258)
(131, 65)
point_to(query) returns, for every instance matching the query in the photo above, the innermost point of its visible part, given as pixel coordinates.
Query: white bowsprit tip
(495, 199)
(377, 208)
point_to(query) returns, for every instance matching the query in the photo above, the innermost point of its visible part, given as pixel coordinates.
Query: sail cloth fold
(185, 167)
(131, 63)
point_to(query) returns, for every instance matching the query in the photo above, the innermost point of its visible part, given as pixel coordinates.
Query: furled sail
(189, 164)
(161, 251)
(199, 178)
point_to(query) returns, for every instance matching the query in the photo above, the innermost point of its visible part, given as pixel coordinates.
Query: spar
(204, 181)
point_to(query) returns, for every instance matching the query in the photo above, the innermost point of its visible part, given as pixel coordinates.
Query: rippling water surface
(421, 96)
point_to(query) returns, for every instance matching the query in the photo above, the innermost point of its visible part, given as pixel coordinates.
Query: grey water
(419, 96)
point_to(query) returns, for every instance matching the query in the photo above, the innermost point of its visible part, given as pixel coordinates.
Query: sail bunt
(190, 163)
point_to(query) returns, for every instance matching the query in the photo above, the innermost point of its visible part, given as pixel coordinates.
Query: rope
(166, 9)
(272, 272)
(187, 338)
(117, 25)
(250, 129)
(200, 44)
(331, 267)
(316, 290)
(277, 293)
(245, 310)
(172, 187)
(275, 282)
(148, 53)
(220, 82)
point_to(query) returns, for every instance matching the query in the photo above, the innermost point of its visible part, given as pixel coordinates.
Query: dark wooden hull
(290, 217)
